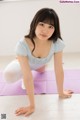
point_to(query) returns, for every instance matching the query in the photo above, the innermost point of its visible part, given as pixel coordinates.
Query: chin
(43, 38)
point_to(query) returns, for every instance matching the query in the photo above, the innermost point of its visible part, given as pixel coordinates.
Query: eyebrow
(47, 23)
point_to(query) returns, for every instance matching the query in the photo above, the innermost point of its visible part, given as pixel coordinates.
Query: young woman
(34, 51)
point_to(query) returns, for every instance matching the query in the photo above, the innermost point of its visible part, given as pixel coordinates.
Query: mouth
(43, 35)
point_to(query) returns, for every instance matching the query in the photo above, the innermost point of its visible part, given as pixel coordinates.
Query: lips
(43, 35)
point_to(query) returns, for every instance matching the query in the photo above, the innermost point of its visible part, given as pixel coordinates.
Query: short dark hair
(49, 16)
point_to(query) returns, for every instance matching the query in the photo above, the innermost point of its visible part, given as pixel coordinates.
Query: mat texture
(43, 83)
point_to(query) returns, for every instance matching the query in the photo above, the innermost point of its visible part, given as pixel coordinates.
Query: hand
(25, 110)
(66, 94)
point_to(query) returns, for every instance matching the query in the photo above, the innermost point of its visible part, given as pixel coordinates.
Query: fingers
(68, 96)
(24, 110)
(28, 113)
(65, 96)
(69, 91)
(20, 111)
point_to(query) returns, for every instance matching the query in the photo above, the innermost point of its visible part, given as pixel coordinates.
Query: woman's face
(44, 31)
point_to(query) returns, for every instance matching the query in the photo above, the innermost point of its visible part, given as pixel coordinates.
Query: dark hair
(49, 16)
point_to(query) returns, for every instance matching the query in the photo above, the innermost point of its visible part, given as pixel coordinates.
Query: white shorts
(12, 72)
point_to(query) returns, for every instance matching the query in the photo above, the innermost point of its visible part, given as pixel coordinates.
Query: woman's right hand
(25, 111)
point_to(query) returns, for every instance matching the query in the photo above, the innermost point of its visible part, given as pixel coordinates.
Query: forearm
(59, 74)
(30, 91)
(59, 80)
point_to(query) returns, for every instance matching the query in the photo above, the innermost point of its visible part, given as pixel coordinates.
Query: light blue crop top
(23, 49)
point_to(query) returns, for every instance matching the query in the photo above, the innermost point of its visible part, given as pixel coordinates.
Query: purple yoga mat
(43, 83)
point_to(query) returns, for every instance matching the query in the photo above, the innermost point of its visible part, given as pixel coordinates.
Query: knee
(9, 76)
(42, 69)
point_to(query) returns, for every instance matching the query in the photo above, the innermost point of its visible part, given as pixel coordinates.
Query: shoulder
(59, 45)
(24, 42)
(21, 41)
(59, 41)
(21, 47)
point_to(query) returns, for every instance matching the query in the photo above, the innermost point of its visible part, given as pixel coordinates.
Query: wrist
(32, 106)
(61, 93)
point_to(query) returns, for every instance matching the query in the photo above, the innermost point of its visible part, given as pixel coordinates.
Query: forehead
(48, 21)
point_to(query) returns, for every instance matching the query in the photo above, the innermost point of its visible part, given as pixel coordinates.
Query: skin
(43, 33)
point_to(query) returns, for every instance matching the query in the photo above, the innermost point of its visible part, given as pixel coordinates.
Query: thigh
(13, 66)
(13, 71)
(42, 69)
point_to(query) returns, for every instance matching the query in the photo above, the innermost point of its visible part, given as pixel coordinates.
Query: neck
(40, 42)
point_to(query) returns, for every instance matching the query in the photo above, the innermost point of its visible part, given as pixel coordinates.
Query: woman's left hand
(66, 94)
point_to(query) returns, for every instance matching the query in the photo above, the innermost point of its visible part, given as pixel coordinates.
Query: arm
(27, 77)
(59, 73)
(28, 82)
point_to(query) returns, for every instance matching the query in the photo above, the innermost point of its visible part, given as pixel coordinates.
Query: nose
(45, 30)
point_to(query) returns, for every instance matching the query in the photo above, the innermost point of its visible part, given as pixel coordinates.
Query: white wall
(15, 18)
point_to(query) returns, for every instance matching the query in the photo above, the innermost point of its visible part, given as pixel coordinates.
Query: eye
(41, 24)
(52, 27)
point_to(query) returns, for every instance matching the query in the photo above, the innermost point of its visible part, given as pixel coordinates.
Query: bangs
(48, 21)
(47, 18)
